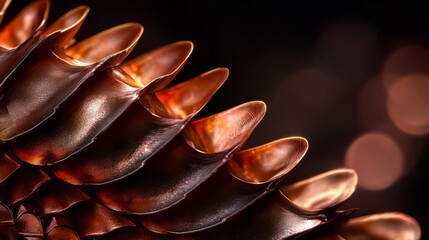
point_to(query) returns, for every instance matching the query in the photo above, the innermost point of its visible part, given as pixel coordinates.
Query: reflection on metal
(4, 4)
(44, 80)
(389, 226)
(323, 191)
(7, 166)
(87, 221)
(21, 184)
(282, 213)
(55, 197)
(134, 233)
(126, 145)
(170, 175)
(231, 189)
(94, 148)
(62, 232)
(92, 108)
(21, 35)
(7, 229)
(29, 224)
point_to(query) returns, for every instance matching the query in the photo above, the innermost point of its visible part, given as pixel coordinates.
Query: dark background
(308, 60)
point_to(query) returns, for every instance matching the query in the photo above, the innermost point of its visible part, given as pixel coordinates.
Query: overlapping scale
(280, 215)
(62, 233)
(134, 233)
(184, 164)
(55, 197)
(21, 35)
(21, 184)
(321, 191)
(94, 146)
(7, 166)
(94, 106)
(139, 133)
(91, 219)
(61, 32)
(29, 225)
(33, 92)
(231, 189)
(388, 225)
(4, 4)
(7, 227)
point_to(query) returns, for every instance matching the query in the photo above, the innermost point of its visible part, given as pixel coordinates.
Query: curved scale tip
(85, 219)
(4, 4)
(268, 162)
(68, 25)
(30, 224)
(135, 233)
(6, 216)
(62, 232)
(187, 98)
(322, 191)
(113, 41)
(226, 130)
(389, 226)
(7, 167)
(159, 66)
(29, 21)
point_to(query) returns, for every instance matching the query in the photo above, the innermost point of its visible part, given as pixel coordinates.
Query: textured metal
(49, 76)
(7, 227)
(93, 107)
(7, 166)
(94, 146)
(91, 219)
(130, 143)
(62, 233)
(231, 189)
(21, 35)
(55, 197)
(184, 164)
(389, 225)
(4, 4)
(324, 191)
(21, 184)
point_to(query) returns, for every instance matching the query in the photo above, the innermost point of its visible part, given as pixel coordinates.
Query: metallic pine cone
(94, 146)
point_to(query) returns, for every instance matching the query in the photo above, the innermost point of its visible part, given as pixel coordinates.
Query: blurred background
(350, 76)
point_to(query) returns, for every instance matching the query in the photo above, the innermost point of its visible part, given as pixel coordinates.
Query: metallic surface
(277, 216)
(7, 166)
(93, 107)
(92, 219)
(225, 194)
(94, 148)
(20, 36)
(25, 181)
(269, 218)
(139, 133)
(62, 233)
(4, 4)
(170, 175)
(55, 197)
(268, 162)
(389, 226)
(49, 77)
(7, 228)
(138, 233)
(28, 224)
(323, 191)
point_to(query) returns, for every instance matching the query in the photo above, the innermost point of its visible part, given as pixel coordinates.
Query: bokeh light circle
(408, 104)
(377, 159)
